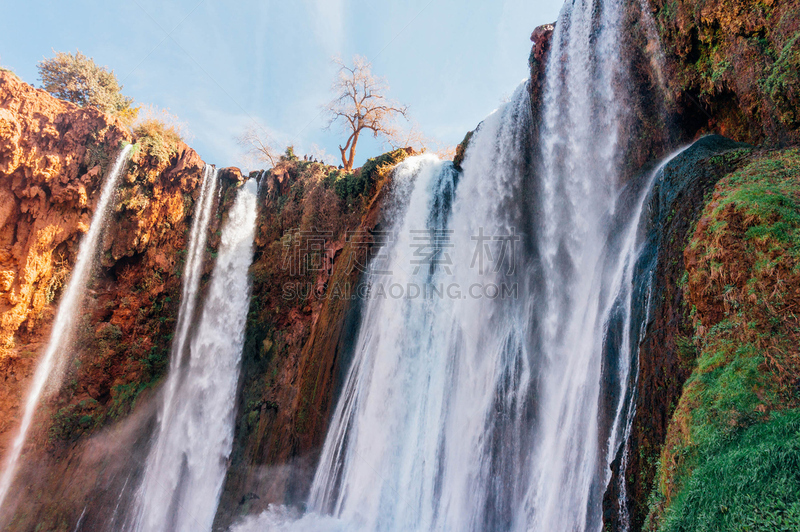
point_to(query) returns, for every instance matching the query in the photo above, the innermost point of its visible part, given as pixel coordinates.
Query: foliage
(349, 186)
(78, 79)
(743, 269)
(158, 135)
(782, 84)
(72, 420)
(736, 64)
(289, 155)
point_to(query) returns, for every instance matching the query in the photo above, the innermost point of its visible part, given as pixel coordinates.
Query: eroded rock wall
(53, 159)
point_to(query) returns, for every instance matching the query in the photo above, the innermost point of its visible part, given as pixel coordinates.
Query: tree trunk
(349, 164)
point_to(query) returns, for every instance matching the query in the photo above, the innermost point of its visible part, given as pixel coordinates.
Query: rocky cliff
(315, 236)
(707, 387)
(731, 66)
(53, 158)
(730, 456)
(718, 376)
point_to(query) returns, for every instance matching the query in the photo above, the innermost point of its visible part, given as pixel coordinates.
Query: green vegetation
(157, 138)
(78, 79)
(738, 61)
(732, 452)
(782, 84)
(350, 186)
(289, 154)
(750, 483)
(72, 420)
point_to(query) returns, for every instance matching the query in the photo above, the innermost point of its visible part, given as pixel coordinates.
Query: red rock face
(732, 66)
(49, 173)
(53, 158)
(541, 38)
(296, 349)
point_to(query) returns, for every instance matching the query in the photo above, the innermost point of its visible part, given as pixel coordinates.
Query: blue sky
(221, 67)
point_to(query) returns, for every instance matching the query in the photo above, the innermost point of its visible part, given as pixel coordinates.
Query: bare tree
(410, 137)
(258, 144)
(360, 104)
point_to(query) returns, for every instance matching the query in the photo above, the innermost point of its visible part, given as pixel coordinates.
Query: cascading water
(188, 460)
(193, 270)
(149, 494)
(58, 346)
(580, 269)
(464, 413)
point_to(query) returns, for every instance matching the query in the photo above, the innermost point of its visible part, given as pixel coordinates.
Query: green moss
(767, 191)
(72, 420)
(748, 483)
(352, 186)
(743, 386)
(783, 83)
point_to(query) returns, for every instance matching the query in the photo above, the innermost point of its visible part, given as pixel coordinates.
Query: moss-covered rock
(732, 66)
(743, 273)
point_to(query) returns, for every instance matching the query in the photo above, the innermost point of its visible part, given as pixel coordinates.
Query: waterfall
(188, 460)
(193, 270)
(69, 307)
(148, 495)
(470, 413)
(582, 269)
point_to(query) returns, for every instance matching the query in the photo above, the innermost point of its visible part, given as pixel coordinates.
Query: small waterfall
(192, 272)
(149, 493)
(188, 460)
(68, 309)
(632, 312)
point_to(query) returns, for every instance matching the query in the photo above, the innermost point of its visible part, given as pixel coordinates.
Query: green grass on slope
(750, 483)
(732, 456)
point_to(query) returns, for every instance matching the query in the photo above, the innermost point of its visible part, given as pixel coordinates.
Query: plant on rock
(78, 79)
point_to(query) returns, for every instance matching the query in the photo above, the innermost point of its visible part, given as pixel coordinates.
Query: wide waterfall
(58, 350)
(188, 459)
(500, 404)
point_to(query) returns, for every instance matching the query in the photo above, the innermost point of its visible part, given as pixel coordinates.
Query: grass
(740, 409)
(750, 483)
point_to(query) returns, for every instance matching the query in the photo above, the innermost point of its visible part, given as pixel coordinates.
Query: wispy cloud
(327, 21)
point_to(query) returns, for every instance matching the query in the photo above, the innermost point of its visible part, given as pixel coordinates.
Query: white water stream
(188, 459)
(58, 348)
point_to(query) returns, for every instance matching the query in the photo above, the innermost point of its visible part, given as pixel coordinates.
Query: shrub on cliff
(158, 134)
(78, 79)
(349, 186)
